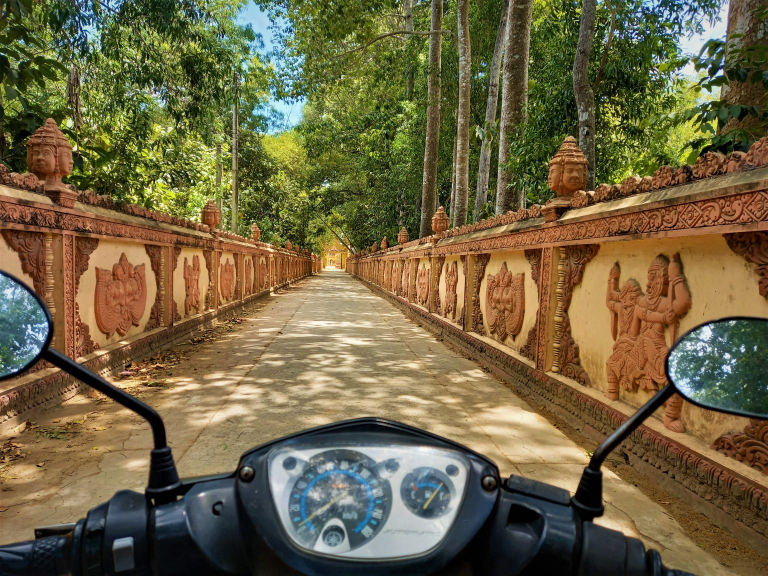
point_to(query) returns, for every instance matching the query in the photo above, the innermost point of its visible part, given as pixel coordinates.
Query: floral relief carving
(176, 252)
(30, 247)
(191, 286)
(638, 326)
(753, 247)
(406, 278)
(121, 297)
(255, 267)
(436, 304)
(749, 446)
(84, 247)
(422, 285)
(248, 287)
(505, 303)
(263, 273)
(394, 287)
(227, 280)
(570, 270)
(477, 314)
(155, 254)
(209, 294)
(451, 283)
(529, 348)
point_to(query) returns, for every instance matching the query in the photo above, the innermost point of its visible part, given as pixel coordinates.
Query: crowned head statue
(568, 169)
(49, 154)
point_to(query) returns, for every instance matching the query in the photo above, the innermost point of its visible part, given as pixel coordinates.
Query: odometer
(339, 488)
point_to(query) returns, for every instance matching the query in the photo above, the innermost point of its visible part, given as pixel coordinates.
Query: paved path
(326, 350)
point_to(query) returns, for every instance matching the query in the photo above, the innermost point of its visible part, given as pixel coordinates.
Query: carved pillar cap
(255, 231)
(49, 157)
(402, 236)
(568, 169)
(555, 208)
(440, 221)
(374, 248)
(288, 245)
(210, 215)
(384, 243)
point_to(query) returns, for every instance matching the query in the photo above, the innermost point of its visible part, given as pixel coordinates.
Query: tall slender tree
(514, 95)
(429, 180)
(582, 89)
(486, 148)
(461, 167)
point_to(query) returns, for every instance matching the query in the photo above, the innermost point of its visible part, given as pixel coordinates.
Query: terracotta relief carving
(208, 257)
(84, 247)
(460, 311)
(477, 314)
(505, 303)
(750, 446)
(49, 157)
(248, 288)
(753, 247)
(263, 273)
(436, 304)
(30, 247)
(176, 252)
(451, 282)
(570, 271)
(191, 287)
(227, 280)
(255, 268)
(544, 297)
(422, 285)
(638, 325)
(529, 348)
(406, 279)
(70, 342)
(121, 296)
(394, 286)
(155, 254)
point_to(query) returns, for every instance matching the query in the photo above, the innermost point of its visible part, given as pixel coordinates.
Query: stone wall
(122, 281)
(545, 297)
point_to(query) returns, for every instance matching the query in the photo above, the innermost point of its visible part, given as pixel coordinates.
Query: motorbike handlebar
(49, 556)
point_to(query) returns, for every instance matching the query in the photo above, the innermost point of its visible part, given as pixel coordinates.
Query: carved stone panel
(639, 322)
(264, 273)
(750, 446)
(451, 284)
(155, 254)
(437, 306)
(570, 271)
(30, 246)
(191, 286)
(422, 285)
(534, 259)
(248, 287)
(395, 280)
(227, 280)
(505, 303)
(753, 247)
(477, 314)
(209, 294)
(121, 297)
(84, 247)
(175, 253)
(406, 278)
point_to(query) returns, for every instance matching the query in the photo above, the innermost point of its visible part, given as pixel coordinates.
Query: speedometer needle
(324, 507)
(428, 502)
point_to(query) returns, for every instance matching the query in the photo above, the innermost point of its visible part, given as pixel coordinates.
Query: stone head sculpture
(568, 169)
(49, 155)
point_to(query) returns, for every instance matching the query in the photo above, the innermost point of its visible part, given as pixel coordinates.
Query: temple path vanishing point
(324, 350)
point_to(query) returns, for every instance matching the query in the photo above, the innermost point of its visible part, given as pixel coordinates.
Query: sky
(292, 112)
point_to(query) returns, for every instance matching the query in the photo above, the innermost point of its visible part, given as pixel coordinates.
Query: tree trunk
(429, 180)
(486, 148)
(452, 206)
(462, 123)
(514, 94)
(743, 20)
(582, 90)
(408, 12)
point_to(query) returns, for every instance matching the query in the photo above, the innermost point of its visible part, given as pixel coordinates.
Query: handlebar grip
(44, 557)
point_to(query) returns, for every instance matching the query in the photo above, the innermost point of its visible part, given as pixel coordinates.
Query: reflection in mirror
(723, 365)
(24, 327)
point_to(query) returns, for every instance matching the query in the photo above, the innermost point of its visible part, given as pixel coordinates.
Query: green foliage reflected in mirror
(722, 365)
(25, 327)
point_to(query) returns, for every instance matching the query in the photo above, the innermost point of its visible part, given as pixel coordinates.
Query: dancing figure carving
(191, 287)
(227, 280)
(505, 303)
(638, 325)
(451, 282)
(121, 296)
(422, 285)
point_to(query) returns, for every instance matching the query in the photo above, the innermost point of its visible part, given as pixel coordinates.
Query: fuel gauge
(427, 492)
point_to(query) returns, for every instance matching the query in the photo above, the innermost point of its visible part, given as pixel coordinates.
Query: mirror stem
(588, 499)
(163, 477)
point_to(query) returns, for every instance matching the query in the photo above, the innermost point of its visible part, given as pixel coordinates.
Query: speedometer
(339, 496)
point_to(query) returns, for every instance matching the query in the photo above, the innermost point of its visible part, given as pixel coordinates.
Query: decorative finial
(402, 236)
(255, 232)
(440, 221)
(49, 157)
(568, 169)
(384, 243)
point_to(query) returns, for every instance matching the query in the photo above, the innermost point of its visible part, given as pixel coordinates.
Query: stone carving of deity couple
(640, 349)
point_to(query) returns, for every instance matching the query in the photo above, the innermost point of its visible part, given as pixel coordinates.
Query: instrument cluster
(367, 501)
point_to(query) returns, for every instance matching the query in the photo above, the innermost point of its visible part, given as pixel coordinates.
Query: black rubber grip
(33, 558)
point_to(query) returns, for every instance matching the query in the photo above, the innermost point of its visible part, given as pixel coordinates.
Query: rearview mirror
(722, 365)
(26, 327)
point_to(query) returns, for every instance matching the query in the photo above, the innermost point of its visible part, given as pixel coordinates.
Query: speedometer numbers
(427, 492)
(339, 496)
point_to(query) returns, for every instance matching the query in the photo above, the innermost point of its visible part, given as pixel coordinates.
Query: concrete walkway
(326, 350)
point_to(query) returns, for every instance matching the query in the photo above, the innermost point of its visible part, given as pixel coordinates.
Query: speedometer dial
(427, 492)
(339, 496)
